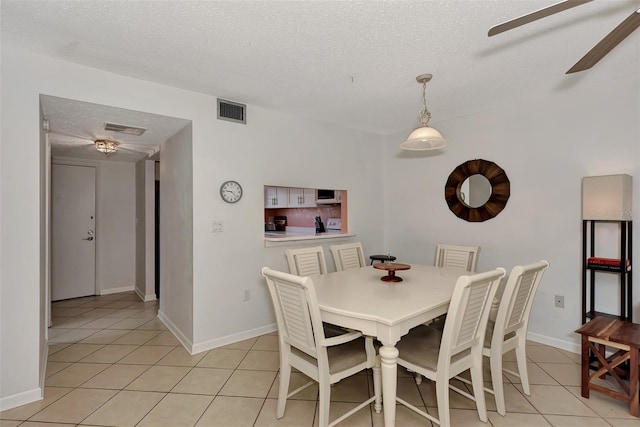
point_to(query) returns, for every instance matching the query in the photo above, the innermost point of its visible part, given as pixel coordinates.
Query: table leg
(585, 367)
(634, 408)
(389, 367)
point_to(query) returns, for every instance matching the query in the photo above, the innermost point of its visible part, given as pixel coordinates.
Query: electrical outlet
(559, 299)
(247, 295)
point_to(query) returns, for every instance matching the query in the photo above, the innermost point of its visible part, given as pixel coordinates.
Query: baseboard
(139, 293)
(150, 298)
(571, 346)
(230, 339)
(116, 290)
(43, 364)
(143, 297)
(218, 342)
(186, 342)
(20, 399)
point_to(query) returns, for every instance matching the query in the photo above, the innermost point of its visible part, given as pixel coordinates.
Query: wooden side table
(602, 332)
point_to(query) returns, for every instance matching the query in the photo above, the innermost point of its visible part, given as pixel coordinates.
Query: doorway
(73, 255)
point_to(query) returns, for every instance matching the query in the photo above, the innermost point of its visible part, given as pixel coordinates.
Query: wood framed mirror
(477, 190)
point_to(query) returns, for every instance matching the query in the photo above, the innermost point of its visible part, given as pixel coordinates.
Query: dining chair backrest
(304, 346)
(296, 308)
(517, 299)
(348, 255)
(306, 261)
(460, 345)
(467, 317)
(459, 257)
(509, 329)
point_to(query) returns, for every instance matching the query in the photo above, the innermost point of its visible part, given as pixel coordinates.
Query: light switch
(217, 226)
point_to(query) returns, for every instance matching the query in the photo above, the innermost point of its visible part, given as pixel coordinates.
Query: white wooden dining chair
(348, 255)
(309, 262)
(306, 261)
(304, 346)
(460, 257)
(441, 355)
(509, 330)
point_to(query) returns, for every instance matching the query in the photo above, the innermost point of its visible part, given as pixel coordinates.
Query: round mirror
(477, 190)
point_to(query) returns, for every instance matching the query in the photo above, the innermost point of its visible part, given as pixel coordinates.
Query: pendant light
(424, 137)
(106, 146)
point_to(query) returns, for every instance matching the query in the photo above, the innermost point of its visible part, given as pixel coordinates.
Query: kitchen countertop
(273, 238)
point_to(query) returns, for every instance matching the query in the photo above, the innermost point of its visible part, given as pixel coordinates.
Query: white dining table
(358, 299)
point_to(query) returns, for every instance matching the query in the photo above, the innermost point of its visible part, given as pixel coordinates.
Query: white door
(73, 244)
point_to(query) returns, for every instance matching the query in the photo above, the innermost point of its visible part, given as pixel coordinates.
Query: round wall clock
(230, 191)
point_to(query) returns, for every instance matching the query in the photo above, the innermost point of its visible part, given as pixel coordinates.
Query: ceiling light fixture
(424, 137)
(106, 146)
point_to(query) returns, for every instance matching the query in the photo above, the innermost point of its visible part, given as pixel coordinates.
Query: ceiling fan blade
(534, 16)
(605, 45)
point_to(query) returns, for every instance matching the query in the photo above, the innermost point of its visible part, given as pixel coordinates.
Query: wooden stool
(603, 332)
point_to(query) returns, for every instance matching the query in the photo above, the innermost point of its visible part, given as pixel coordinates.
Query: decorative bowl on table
(391, 268)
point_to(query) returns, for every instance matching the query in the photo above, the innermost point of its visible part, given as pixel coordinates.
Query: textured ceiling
(351, 63)
(75, 125)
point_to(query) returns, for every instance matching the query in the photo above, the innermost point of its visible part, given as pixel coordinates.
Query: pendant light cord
(425, 115)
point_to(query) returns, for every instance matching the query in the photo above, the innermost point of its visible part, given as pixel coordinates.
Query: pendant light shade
(424, 137)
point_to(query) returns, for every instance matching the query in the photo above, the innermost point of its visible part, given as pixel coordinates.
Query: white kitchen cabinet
(276, 197)
(302, 198)
(309, 198)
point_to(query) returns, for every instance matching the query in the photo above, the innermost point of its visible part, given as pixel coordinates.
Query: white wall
(20, 290)
(115, 226)
(545, 147)
(272, 149)
(150, 230)
(140, 246)
(176, 235)
(45, 228)
(145, 230)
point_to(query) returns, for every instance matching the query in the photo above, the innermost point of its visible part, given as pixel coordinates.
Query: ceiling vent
(232, 111)
(129, 130)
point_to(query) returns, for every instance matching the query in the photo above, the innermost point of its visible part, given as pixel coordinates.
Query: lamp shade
(607, 197)
(424, 138)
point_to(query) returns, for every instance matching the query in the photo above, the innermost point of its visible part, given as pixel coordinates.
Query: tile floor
(113, 363)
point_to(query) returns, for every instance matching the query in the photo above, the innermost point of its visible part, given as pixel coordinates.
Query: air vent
(129, 130)
(232, 111)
